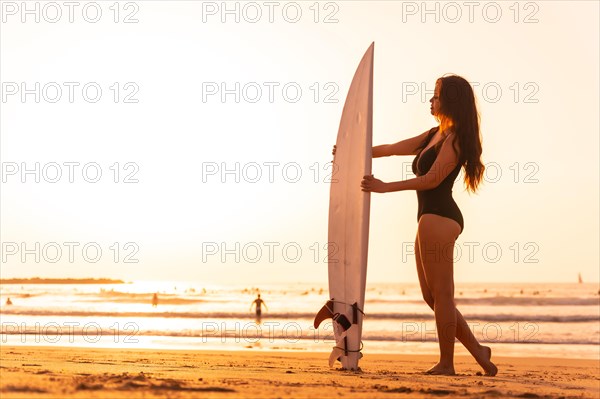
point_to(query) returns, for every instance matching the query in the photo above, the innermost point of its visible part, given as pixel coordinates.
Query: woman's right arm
(404, 147)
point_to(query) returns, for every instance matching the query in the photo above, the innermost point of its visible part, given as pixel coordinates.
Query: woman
(440, 154)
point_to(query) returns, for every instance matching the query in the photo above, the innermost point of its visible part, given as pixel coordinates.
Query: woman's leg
(427, 296)
(436, 253)
(463, 332)
(436, 238)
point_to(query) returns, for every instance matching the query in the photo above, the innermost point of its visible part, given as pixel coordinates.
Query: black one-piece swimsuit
(437, 201)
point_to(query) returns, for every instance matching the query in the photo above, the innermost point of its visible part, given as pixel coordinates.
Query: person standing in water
(258, 303)
(155, 300)
(440, 154)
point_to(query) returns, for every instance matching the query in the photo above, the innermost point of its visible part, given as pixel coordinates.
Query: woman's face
(435, 100)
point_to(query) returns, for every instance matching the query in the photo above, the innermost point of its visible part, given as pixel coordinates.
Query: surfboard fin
(336, 353)
(326, 312)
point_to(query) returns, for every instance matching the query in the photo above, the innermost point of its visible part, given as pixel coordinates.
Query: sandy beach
(44, 372)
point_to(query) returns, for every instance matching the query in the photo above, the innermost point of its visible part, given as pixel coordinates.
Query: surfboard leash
(348, 350)
(354, 305)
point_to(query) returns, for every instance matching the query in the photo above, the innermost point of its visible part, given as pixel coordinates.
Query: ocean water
(553, 320)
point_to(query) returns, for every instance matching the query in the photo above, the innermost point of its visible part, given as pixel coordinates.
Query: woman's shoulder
(450, 134)
(451, 139)
(431, 133)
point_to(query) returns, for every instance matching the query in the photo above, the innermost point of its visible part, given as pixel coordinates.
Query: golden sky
(192, 100)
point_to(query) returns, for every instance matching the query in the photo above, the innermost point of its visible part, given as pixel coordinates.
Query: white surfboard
(349, 218)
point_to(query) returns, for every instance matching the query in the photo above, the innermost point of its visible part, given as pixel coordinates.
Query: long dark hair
(458, 111)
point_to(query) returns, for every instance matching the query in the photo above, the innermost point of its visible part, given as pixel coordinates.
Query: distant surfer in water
(258, 303)
(441, 152)
(155, 300)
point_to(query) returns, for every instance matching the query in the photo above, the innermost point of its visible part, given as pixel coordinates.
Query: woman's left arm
(445, 163)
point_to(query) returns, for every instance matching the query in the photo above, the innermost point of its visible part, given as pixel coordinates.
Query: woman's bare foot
(439, 369)
(485, 361)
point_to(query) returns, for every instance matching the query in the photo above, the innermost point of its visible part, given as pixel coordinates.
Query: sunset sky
(172, 137)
